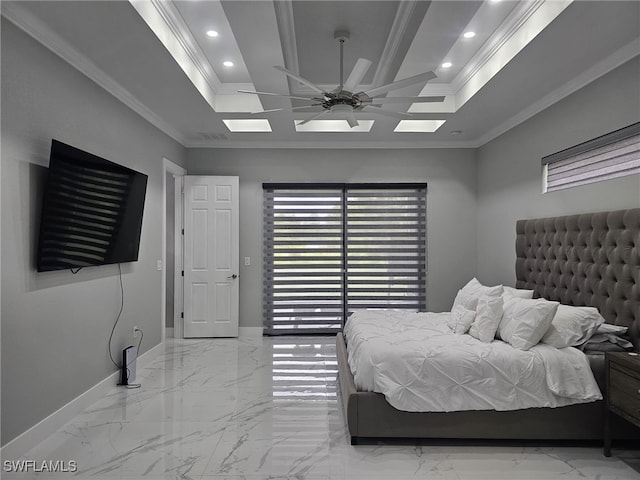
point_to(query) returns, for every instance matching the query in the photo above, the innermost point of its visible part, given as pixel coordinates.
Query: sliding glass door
(333, 248)
(303, 231)
(386, 248)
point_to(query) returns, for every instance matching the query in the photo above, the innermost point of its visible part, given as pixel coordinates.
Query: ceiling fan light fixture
(333, 126)
(346, 112)
(344, 109)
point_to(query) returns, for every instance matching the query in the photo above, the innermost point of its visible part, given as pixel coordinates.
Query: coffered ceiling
(497, 63)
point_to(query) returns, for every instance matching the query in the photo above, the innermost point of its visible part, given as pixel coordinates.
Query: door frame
(178, 172)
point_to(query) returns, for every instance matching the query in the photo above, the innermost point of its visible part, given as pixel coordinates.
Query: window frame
(605, 147)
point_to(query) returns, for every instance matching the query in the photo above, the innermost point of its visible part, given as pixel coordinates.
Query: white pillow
(525, 321)
(488, 316)
(469, 295)
(614, 329)
(517, 292)
(572, 326)
(460, 319)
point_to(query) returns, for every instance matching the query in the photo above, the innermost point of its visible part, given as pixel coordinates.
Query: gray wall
(55, 325)
(510, 172)
(451, 204)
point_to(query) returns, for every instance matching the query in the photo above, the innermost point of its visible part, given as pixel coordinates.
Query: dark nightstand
(622, 372)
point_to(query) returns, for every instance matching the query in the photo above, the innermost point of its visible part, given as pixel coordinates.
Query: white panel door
(211, 256)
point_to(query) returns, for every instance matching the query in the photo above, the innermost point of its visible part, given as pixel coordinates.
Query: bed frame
(591, 259)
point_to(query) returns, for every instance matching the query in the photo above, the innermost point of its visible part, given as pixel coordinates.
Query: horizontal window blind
(386, 248)
(610, 156)
(330, 249)
(303, 264)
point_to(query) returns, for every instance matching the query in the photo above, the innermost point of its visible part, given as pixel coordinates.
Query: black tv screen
(91, 211)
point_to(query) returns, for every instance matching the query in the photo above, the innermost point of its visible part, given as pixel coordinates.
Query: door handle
(234, 276)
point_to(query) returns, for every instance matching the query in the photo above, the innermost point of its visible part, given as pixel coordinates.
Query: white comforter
(419, 364)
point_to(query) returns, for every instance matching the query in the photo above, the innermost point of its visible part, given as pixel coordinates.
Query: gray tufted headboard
(590, 259)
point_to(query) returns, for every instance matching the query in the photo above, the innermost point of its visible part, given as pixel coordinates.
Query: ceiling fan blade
(276, 95)
(357, 74)
(381, 100)
(351, 120)
(314, 117)
(284, 109)
(423, 77)
(299, 78)
(387, 113)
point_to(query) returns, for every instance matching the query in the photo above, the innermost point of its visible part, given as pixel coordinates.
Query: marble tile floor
(267, 408)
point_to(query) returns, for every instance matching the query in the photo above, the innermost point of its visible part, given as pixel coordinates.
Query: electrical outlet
(135, 331)
(247, 261)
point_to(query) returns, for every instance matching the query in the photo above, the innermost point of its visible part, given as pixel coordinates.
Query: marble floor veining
(267, 408)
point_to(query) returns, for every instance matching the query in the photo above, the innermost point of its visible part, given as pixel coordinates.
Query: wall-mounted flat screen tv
(91, 211)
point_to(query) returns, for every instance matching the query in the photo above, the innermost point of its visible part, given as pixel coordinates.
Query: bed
(582, 260)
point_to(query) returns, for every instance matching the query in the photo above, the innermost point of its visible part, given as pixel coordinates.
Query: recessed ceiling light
(212, 33)
(228, 63)
(469, 34)
(446, 65)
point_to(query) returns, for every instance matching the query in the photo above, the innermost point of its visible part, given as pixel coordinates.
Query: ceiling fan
(342, 100)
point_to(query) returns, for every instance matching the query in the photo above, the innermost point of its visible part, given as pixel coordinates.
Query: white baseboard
(250, 332)
(169, 332)
(29, 439)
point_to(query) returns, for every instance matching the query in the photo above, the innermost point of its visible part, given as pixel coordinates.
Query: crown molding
(286, 26)
(524, 23)
(344, 144)
(510, 26)
(400, 24)
(179, 29)
(169, 27)
(618, 58)
(36, 29)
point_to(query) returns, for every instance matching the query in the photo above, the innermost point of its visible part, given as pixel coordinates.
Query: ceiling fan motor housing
(345, 98)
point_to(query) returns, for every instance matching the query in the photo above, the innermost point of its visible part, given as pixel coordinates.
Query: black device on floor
(128, 369)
